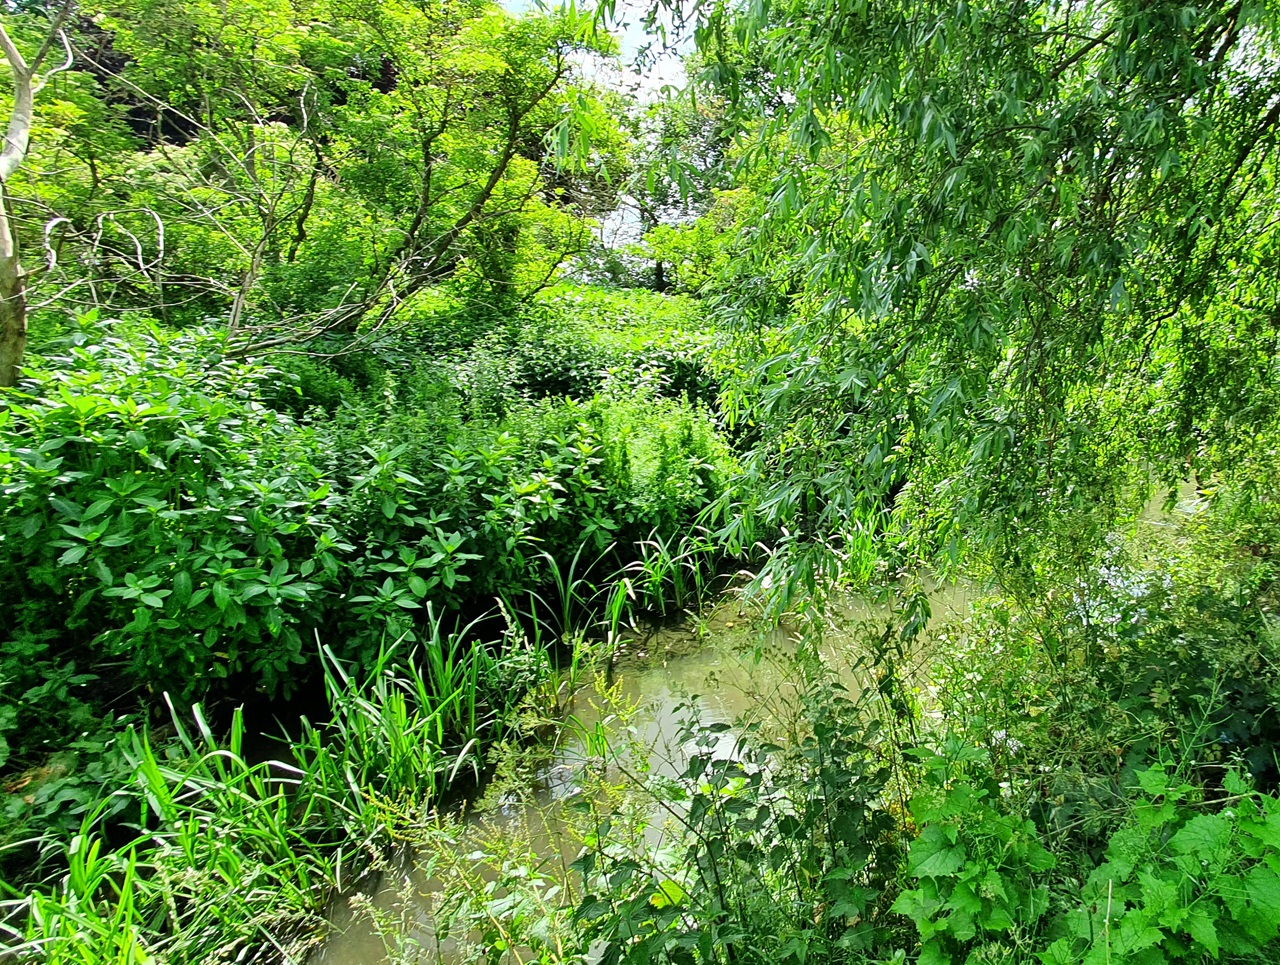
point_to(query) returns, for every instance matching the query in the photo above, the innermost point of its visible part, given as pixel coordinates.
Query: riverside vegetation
(338, 452)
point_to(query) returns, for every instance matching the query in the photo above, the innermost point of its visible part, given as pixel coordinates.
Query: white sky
(660, 70)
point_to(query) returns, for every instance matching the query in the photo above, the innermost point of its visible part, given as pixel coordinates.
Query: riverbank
(204, 854)
(1080, 775)
(725, 667)
(841, 788)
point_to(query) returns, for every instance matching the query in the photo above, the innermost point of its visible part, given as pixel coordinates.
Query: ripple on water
(736, 672)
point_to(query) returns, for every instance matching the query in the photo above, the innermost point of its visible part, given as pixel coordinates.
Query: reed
(224, 859)
(575, 592)
(673, 575)
(221, 860)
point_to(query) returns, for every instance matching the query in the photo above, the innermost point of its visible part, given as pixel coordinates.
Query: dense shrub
(572, 342)
(165, 529)
(577, 341)
(309, 383)
(157, 516)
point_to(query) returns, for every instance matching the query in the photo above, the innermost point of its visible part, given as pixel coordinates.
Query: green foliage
(993, 273)
(154, 508)
(403, 727)
(167, 531)
(1122, 709)
(223, 856)
(990, 265)
(786, 854)
(579, 341)
(301, 170)
(974, 866)
(672, 575)
(700, 257)
(553, 475)
(307, 383)
(1182, 880)
(1165, 645)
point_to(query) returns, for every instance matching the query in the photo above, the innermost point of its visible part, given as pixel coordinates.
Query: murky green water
(735, 673)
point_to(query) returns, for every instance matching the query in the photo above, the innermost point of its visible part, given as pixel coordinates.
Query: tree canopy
(303, 169)
(997, 256)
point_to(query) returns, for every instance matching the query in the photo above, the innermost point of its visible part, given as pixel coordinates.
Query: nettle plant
(978, 872)
(1185, 879)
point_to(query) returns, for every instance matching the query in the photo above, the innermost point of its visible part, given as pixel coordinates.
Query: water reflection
(733, 673)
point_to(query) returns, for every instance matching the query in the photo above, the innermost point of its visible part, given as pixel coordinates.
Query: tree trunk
(13, 282)
(13, 300)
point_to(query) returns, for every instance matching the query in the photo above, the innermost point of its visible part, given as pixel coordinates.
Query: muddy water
(733, 672)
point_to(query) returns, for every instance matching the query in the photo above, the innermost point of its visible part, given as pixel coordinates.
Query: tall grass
(224, 859)
(399, 734)
(674, 574)
(227, 860)
(671, 574)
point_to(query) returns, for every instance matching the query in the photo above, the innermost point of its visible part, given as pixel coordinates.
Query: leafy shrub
(157, 517)
(573, 342)
(308, 383)
(164, 528)
(660, 341)
(1163, 645)
(787, 854)
(1181, 880)
(1080, 698)
(974, 867)
(532, 360)
(577, 341)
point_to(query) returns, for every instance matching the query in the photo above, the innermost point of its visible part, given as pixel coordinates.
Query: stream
(733, 669)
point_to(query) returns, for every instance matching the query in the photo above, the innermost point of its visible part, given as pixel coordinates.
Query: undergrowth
(166, 530)
(200, 853)
(1081, 778)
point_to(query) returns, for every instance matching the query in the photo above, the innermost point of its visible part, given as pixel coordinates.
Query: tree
(1024, 252)
(298, 172)
(13, 285)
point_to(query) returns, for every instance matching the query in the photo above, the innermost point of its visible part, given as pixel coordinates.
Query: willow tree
(1009, 254)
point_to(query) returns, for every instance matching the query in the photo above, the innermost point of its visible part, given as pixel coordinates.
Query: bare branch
(18, 135)
(55, 33)
(51, 256)
(65, 65)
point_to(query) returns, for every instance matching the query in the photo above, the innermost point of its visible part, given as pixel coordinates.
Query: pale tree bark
(13, 299)
(13, 277)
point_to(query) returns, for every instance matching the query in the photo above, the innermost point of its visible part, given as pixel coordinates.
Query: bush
(164, 529)
(572, 342)
(579, 341)
(1181, 880)
(158, 518)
